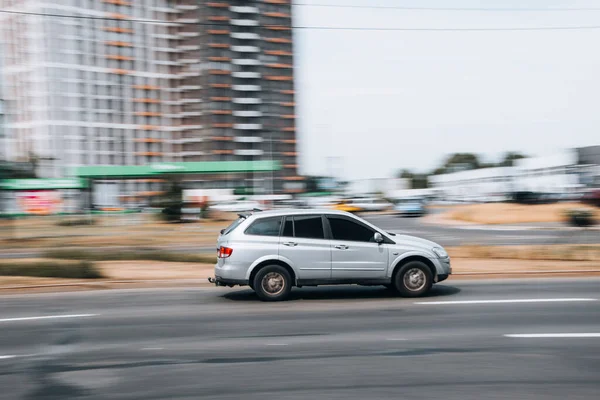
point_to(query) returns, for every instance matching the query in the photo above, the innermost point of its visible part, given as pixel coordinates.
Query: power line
(329, 28)
(446, 8)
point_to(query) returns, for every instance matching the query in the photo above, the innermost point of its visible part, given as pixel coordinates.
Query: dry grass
(508, 213)
(535, 252)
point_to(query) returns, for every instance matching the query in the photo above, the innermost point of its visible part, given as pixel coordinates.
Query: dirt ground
(508, 213)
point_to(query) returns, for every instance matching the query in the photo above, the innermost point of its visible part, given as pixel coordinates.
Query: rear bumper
(220, 281)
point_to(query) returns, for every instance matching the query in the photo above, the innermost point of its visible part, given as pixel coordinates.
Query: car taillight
(224, 252)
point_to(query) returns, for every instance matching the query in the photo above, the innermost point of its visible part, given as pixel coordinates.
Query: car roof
(295, 211)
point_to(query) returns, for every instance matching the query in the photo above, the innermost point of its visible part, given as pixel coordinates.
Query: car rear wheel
(413, 279)
(272, 283)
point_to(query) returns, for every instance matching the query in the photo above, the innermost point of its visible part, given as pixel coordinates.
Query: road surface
(535, 339)
(484, 235)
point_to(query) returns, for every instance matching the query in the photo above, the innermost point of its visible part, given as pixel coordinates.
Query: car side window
(309, 226)
(344, 229)
(288, 227)
(265, 227)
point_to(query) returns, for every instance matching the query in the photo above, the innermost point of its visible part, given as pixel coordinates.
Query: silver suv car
(271, 251)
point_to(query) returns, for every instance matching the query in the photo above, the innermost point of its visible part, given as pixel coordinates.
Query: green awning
(203, 167)
(42, 184)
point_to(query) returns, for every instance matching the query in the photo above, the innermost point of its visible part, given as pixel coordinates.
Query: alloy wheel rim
(273, 283)
(414, 279)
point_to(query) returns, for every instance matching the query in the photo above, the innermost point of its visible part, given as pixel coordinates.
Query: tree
(510, 158)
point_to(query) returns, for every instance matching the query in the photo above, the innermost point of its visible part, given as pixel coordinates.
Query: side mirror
(378, 237)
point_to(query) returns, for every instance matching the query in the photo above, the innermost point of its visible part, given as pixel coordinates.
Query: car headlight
(440, 252)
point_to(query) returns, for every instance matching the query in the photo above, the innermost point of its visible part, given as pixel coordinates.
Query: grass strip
(51, 269)
(150, 255)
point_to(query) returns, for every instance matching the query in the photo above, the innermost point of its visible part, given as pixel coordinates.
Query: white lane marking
(395, 339)
(276, 344)
(153, 348)
(507, 301)
(7, 357)
(48, 317)
(553, 335)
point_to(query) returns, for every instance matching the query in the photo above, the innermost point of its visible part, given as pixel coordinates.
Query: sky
(371, 103)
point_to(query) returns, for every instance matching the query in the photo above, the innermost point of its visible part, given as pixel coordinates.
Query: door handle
(291, 244)
(341, 246)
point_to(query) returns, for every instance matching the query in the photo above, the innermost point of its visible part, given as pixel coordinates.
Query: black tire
(279, 276)
(418, 283)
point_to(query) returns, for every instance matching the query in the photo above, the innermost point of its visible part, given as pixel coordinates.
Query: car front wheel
(272, 283)
(414, 279)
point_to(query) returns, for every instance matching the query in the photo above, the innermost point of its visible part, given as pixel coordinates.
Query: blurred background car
(371, 204)
(182, 212)
(235, 206)
(410, 208)
(347, 206)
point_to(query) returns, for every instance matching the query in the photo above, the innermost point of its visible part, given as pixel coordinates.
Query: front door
(354, 252)
(303, 242)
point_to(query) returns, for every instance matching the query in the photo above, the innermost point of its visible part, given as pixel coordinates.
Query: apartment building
(115, 82)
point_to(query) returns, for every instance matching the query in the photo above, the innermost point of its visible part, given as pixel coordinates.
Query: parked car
(182, 212)
(410, 208)
(371, 204)
(272, 251)
(347, 206)
(592, 198)
(235, 206)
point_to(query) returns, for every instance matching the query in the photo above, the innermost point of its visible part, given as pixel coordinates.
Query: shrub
(580, 217)
(76, 222)
(49, 269)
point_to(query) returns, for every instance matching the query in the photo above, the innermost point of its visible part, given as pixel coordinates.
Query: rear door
(304, 243)
(354, 252)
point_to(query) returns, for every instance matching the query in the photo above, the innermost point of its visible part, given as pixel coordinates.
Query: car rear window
(233, 225)
(265, 227)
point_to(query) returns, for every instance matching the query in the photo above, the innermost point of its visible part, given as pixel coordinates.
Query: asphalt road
(490, 235)
(326, 343)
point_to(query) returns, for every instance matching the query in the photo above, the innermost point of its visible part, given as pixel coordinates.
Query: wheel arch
(272, 261)
(414, 257)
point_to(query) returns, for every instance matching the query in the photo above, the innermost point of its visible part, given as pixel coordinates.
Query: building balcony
(192, 153)
(166, 50)
(189, 74)
(250, 127)
(165, 62)
(165, 36)
(217, 4)
(187, 20)
(248, 139)
(247, 100)
(245, 49)
(190, 114)
(247, 113)
(188, 140)
(190, 87)
(244, 22)
(245, 35)
(188, 48)
(244, 9)
(188, 61)
(246, 75)
(246, 88)
(187, 35)
(248, 152)
(186, 7)
(190, 101)
(245, 61)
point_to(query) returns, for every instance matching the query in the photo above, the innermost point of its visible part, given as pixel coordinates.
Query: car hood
(403, 240)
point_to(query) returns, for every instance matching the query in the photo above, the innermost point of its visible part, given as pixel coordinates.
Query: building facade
(117, 82)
